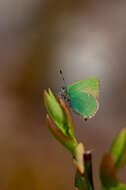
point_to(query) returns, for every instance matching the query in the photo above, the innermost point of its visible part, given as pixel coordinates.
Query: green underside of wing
(84, 104)
(90, 85)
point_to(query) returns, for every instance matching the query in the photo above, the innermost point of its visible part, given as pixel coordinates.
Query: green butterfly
(82, 96)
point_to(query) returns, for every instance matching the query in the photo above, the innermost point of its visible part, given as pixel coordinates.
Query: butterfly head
(64, 94)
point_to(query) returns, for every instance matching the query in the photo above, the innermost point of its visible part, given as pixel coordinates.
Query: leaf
(69, 142)
(59, 113)
(59, 120)
(118, 187)
(108, 173)
(55, 110)
(118, 149)
(68, 115)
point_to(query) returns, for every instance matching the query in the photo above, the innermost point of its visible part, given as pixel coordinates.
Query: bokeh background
(37, 38)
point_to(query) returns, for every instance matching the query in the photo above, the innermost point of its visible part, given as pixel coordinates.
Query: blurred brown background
(84, 38)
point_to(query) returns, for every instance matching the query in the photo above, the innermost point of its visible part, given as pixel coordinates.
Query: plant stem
(88, 170)
(85, 181)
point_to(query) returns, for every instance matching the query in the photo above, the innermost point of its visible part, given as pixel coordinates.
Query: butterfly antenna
(61, 73)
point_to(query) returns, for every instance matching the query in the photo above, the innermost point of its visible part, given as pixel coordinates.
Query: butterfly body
(82, 96)
(63, 92)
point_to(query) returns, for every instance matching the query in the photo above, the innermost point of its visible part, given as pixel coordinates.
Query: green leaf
(108, 173)
(118, 187)
(69, 142)
(59, 113)
(118, 149)
(112, 162)
(55, 110)
(59, 120)
(69, 121)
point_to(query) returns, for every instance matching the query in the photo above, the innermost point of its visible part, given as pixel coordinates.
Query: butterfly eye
(63, 90)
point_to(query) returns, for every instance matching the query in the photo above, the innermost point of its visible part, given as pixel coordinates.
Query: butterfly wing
(90, 86)
(84, 104)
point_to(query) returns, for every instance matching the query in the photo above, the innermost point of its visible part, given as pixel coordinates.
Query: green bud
(54, 109)
(59, 120)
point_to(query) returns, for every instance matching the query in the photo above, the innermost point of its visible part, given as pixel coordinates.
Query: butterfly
(82, 96)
